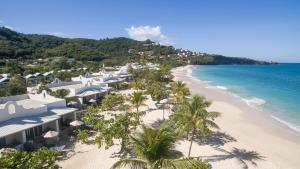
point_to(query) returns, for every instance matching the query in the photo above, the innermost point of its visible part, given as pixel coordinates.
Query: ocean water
(275, 88)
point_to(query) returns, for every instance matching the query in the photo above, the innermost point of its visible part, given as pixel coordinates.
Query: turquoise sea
(275, 88)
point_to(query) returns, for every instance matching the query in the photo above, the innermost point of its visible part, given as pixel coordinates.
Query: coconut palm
(193, 117)
(154, 149)
(138, 99)
(180, 91)
(138, 84)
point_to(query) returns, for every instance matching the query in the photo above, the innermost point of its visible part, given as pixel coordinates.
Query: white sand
(252, 129)
(91, 157)
(248, 137)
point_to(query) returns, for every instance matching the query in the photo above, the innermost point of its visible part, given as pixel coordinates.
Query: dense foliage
(42, 159)
(14, 45)
(155, 148)
(14, 87)
(64, 53)
(109, 126)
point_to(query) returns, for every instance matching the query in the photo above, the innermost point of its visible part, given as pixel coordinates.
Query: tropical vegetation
(192, 117)
(154, 149)
(42, 159)
(180, 91)
(137, 99)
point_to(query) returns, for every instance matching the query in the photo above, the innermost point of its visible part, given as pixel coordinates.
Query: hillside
(19, 46)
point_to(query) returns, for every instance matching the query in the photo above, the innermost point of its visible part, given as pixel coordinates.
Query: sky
(264, 30)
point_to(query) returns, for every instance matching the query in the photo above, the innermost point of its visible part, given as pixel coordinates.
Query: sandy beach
(248, 138)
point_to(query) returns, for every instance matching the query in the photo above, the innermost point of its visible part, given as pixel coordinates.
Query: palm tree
(154, 149)
(180, 91)
(192, 116)
(138, 99)
(138, 84)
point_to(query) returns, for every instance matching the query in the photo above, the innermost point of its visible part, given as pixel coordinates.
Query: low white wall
(3, 100)
(12, 110)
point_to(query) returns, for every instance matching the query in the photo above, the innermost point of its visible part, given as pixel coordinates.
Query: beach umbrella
(76, 123)
(72, 103)
(92, 100)
(51, 134)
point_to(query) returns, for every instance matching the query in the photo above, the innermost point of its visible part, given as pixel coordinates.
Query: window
(11, 109)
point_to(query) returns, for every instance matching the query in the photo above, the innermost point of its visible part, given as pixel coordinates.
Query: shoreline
(255, 103)
(252, 127)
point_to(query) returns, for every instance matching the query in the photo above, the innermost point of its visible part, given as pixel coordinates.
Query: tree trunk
(124, 142)
(191, 142)
(163, 114)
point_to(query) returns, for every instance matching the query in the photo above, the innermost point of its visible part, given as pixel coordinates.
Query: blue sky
(265, 30)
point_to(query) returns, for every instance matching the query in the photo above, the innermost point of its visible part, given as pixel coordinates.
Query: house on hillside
(4, 79)
(33, 79)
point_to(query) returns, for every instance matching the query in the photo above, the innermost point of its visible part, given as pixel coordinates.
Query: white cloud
(142, 33)
(10, 27)
(59, 34)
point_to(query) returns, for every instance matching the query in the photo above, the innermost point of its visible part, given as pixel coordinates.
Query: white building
(26, 117)
(101, 78)
(81, 92)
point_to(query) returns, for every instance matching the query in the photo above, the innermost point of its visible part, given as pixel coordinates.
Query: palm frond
(132, 163)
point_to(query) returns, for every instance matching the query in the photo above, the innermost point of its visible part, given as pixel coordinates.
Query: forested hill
(19, 46)
(15, 45)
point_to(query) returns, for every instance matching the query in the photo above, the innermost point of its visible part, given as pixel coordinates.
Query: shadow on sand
(157, 123)
(242, 155)
(218, 139)
(215, 139)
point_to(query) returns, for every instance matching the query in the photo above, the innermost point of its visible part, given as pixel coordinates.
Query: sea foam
(216, 87)
(254, 101)
(222, 87)
(291, 126)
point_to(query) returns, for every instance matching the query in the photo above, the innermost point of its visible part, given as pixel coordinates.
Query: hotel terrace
(27, 117)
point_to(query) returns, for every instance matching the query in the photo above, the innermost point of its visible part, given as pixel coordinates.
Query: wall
(3, 100)
(12, 110)
(10, 139)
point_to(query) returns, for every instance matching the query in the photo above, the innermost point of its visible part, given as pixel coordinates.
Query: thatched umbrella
(92, 101)
(72, 103)
(76, 123)
(51, 134)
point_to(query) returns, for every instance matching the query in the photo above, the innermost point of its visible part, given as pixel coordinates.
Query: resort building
(4, 79)
(33, 79)
(102, 78)
(26, 117)
(81, 92)
(48, 75)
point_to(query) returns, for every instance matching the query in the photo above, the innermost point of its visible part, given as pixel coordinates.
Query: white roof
(37, 74)
(62, 111)
(29, 76)
(47, 73)
(90, 92)
(22, 123)
(19, 124)
(3, 79)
